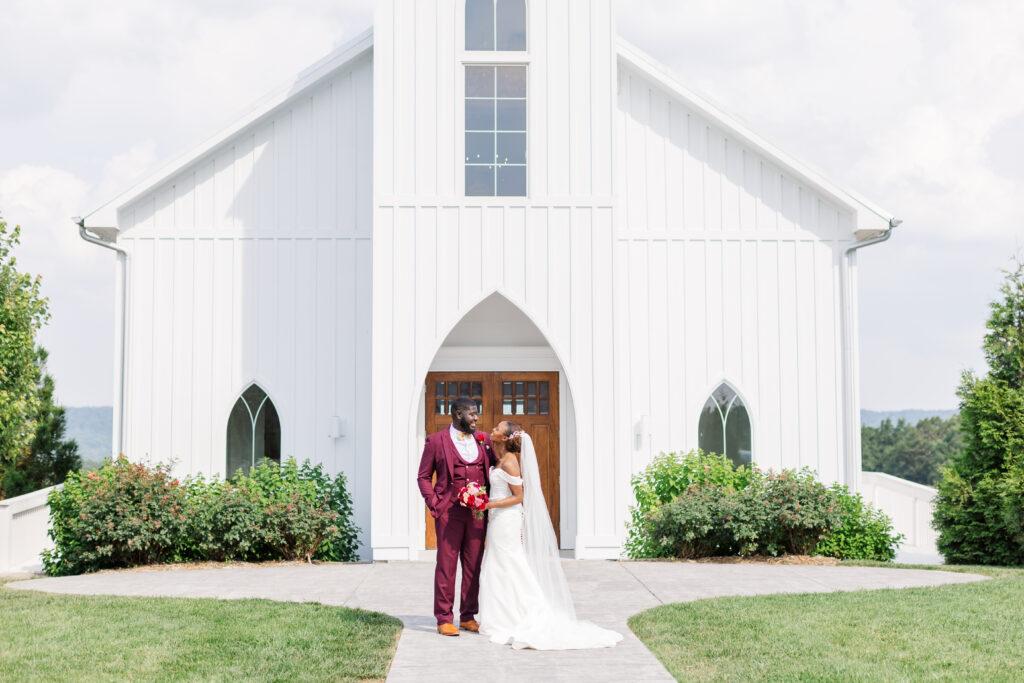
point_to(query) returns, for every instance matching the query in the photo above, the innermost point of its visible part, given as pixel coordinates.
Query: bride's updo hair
(514, 443)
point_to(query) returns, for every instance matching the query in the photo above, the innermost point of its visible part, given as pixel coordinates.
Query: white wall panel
(302, 167)
(754, 300)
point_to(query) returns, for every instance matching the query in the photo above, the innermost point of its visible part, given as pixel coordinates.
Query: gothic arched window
(725, 426)
(254, 431)
(496, 25)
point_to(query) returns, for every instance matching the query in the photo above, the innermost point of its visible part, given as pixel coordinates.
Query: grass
(971, 631)
(67, 637)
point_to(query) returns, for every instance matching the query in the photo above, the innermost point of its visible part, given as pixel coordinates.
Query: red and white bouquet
(474, 497)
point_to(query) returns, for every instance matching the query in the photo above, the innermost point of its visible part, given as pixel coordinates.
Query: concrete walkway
(605, 592)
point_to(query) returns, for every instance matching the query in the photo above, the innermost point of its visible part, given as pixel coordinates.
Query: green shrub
(666, 477)
(799, 511)
(698, 505)
(291, 482)
(863, 533)
(980, 498)
(225, 522)
(692, 525)
(123, 515)
(129, 514)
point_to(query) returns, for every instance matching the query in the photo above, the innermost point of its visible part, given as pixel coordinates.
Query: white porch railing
(24, 522)
(911, 507)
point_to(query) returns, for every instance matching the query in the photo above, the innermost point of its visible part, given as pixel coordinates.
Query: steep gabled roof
(106, 215)
(870, 217)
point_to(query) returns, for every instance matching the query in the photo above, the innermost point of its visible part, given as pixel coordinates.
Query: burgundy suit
(459, 533)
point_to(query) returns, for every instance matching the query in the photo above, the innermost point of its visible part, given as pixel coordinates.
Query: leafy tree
(51, 456)
(913, 452)
(979, 511)
(23, 310)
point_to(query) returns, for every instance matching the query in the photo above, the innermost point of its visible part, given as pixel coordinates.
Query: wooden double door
(527, 398)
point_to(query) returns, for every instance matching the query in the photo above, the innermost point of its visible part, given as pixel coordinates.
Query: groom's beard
(462, 426)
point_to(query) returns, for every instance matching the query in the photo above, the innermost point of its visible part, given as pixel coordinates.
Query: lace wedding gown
(513, 608)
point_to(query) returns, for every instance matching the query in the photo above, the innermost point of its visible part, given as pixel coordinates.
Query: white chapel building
(498, 198)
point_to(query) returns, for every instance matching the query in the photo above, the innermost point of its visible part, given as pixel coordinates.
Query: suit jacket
(438, 458)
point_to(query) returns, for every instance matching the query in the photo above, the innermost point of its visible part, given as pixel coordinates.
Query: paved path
(605, 592)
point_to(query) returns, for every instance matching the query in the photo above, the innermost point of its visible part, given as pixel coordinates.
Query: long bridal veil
(539, 536)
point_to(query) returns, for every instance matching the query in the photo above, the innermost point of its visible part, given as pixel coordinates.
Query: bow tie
(463, 435)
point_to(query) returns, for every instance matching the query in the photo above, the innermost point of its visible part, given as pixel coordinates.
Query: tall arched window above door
(725, 426)
(254, 431)
(496, 25)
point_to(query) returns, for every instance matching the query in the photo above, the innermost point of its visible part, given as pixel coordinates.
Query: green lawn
(67, 637)
(969, 631)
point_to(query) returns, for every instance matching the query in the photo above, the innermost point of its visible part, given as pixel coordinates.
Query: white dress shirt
(466, 445)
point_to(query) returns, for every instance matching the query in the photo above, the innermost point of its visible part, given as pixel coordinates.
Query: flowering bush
(128, 514)
(666, 478)
(122, 515)
(699, 505)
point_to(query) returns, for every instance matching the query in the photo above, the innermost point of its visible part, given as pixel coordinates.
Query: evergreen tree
(51, 456)
(979, 510)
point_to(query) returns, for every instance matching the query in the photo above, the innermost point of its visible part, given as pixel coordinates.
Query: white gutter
(851, 364)
(122, 259)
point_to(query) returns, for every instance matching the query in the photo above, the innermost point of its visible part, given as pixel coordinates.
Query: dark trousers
(460, 536)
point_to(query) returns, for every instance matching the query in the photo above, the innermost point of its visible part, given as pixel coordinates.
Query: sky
(916, 104)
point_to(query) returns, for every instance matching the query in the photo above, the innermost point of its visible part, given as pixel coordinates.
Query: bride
(524, 597)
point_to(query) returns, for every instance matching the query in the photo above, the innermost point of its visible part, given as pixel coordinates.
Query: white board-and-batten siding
(252, 264)
(437, 253)
(326, 249)
(729, 270)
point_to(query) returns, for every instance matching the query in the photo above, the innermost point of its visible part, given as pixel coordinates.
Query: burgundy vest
(465, 472)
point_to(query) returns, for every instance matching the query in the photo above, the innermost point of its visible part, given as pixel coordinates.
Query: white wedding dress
(518, 607)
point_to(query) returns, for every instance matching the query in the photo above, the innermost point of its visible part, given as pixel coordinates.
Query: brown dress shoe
(447, 630)
(470, 625)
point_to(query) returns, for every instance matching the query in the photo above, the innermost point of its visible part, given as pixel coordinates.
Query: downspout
(122, 260)
(851, 360)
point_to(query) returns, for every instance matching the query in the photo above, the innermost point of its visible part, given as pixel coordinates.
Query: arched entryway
(498, 356)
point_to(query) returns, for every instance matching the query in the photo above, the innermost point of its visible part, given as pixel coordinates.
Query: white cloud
(76, 277)
(919, 106)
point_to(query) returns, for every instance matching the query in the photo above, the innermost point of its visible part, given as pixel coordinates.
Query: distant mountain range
(91, 426)
(873, 418)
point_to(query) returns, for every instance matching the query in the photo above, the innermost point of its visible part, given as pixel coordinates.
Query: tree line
(916, 452)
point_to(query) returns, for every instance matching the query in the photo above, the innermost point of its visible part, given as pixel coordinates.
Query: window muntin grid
(724, 426)
(495, 118)
(445, 394)
(496, 25)
(525, 398)
(254, 431)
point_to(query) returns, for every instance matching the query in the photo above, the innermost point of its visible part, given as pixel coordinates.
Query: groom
(458, 455)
